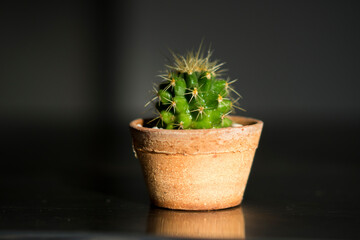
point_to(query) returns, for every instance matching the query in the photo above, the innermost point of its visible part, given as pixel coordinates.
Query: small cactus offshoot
(192, 95)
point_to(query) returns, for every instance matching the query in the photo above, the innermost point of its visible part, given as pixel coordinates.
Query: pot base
(194, 207)
(196, 182)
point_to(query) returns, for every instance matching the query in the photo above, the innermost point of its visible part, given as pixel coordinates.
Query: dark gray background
(74, 73)
(71, 61)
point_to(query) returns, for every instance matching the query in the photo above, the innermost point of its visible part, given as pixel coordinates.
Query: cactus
(192, 96)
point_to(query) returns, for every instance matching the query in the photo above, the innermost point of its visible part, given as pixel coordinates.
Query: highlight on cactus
(193, 94)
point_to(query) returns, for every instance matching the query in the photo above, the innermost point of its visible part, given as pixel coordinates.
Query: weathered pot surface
(197, 169)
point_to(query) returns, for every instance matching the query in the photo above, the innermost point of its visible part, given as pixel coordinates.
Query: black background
(74, 73)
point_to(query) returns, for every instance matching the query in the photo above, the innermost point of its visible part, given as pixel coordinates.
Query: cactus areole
(193, 95)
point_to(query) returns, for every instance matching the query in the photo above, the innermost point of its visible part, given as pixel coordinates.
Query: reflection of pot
(227, 223)
(197, 169)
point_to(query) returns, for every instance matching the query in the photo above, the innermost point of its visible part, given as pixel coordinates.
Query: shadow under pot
(228, 223)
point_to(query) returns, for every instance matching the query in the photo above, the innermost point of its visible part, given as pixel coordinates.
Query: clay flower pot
(197, 169)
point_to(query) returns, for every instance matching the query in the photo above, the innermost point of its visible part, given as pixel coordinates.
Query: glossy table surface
(72, 183)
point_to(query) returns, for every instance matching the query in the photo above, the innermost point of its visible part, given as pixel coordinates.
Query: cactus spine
(191, 96)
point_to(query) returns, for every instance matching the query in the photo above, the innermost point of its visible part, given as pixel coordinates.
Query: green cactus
(192, 96)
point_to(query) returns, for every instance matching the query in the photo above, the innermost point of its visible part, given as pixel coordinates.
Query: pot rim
(250, 123)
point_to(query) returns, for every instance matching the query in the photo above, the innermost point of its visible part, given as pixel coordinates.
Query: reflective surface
(64, 182)
(228, 223)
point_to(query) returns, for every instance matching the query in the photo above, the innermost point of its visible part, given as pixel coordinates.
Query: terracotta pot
(198, 169)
